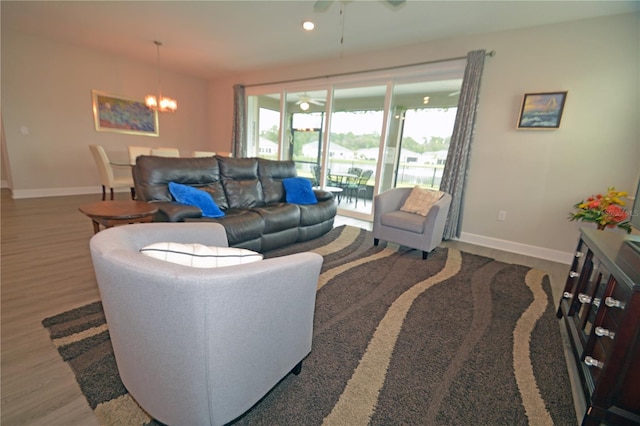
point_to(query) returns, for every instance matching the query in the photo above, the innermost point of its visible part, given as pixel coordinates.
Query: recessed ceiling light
(308, 25)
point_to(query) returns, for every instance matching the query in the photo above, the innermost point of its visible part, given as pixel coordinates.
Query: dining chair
(136, 151)
(165, 152)
(107, 176)
(203, 153)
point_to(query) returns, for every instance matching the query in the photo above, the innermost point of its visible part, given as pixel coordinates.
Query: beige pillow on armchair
(420, 200)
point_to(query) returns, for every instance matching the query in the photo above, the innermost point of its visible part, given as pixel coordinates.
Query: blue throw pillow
(298, 191)
(189, 195)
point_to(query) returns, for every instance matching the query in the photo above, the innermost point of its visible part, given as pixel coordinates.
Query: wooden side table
(119, 212)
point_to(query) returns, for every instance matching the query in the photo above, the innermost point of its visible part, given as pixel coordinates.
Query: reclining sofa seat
(248, 190)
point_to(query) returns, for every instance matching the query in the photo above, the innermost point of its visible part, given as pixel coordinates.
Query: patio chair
(360, 185)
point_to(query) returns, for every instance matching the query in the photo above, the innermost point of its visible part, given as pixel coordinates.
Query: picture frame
(123, 115)
(542, 110)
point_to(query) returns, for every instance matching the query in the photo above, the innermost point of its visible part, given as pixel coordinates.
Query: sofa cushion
(311, 214)
(216, 191)
(403, 220)
(241, 183)
(186, 194)
(200, 256)
(278, 217)
(152, 175)
(271, 174)
(420, 200)
(241, 225)
(298, 190)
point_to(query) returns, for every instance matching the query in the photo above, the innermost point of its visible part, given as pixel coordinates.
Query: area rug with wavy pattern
(457, 339)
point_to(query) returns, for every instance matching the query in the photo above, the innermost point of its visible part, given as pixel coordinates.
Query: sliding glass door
(263, 126)
(304, 130)
(357, 138)
(420, 131)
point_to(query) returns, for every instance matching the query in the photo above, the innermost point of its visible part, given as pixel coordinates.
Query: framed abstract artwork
(122, 115)
(542, 110)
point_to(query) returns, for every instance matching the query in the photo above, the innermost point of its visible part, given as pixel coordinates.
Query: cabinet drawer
(595, 356)
(605, 334)
(616, 303)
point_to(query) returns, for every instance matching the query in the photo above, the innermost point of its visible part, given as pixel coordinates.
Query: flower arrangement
(604, 210)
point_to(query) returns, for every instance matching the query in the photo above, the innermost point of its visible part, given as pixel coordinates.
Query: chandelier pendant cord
(158, 103)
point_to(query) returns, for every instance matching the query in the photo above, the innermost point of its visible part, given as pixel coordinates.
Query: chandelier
(160, 103)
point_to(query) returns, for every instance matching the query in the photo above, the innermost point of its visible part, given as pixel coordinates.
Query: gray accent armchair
(408, 229)
(200, 346)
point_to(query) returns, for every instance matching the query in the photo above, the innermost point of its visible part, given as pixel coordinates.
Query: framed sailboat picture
(542, 110)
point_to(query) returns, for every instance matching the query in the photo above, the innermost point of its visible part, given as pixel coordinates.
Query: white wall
(46, 89)
(535, 176)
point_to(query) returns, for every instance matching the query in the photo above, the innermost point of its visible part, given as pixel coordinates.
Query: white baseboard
(60, 192)
(519, 248)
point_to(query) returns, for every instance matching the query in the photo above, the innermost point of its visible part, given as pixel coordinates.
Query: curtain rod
(491, 54)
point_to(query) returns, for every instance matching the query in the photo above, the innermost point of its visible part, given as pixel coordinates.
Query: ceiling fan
(322, 5)
(305, 102)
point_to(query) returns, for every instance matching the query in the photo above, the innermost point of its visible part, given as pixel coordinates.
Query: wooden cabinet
(600, 307)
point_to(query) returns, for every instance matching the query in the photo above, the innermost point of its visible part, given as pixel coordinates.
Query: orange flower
(616, 213)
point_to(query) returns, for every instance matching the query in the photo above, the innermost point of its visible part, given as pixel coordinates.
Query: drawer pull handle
(584, 298)
(592, 362)
(613, 303)
(574, 274)
(579, 254)
(604, 332)
(567, 295)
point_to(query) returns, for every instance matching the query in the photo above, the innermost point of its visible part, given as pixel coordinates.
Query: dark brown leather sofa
(248, 190)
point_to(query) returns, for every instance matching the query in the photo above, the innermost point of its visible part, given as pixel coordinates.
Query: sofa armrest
(175, 212)
(322, 195)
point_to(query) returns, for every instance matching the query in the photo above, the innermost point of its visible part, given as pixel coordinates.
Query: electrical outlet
(502, 215)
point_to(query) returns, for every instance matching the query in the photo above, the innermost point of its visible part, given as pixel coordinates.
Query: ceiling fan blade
(322, 5)
(316, 102)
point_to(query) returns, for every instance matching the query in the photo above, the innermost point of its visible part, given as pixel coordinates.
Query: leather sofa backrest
(152, 176)
(232, 182)
(271, 174)
(241, 182)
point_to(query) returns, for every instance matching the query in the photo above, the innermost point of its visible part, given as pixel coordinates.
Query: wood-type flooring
(45, 270)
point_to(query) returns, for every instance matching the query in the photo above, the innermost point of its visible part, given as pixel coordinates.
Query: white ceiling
(211, 38)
